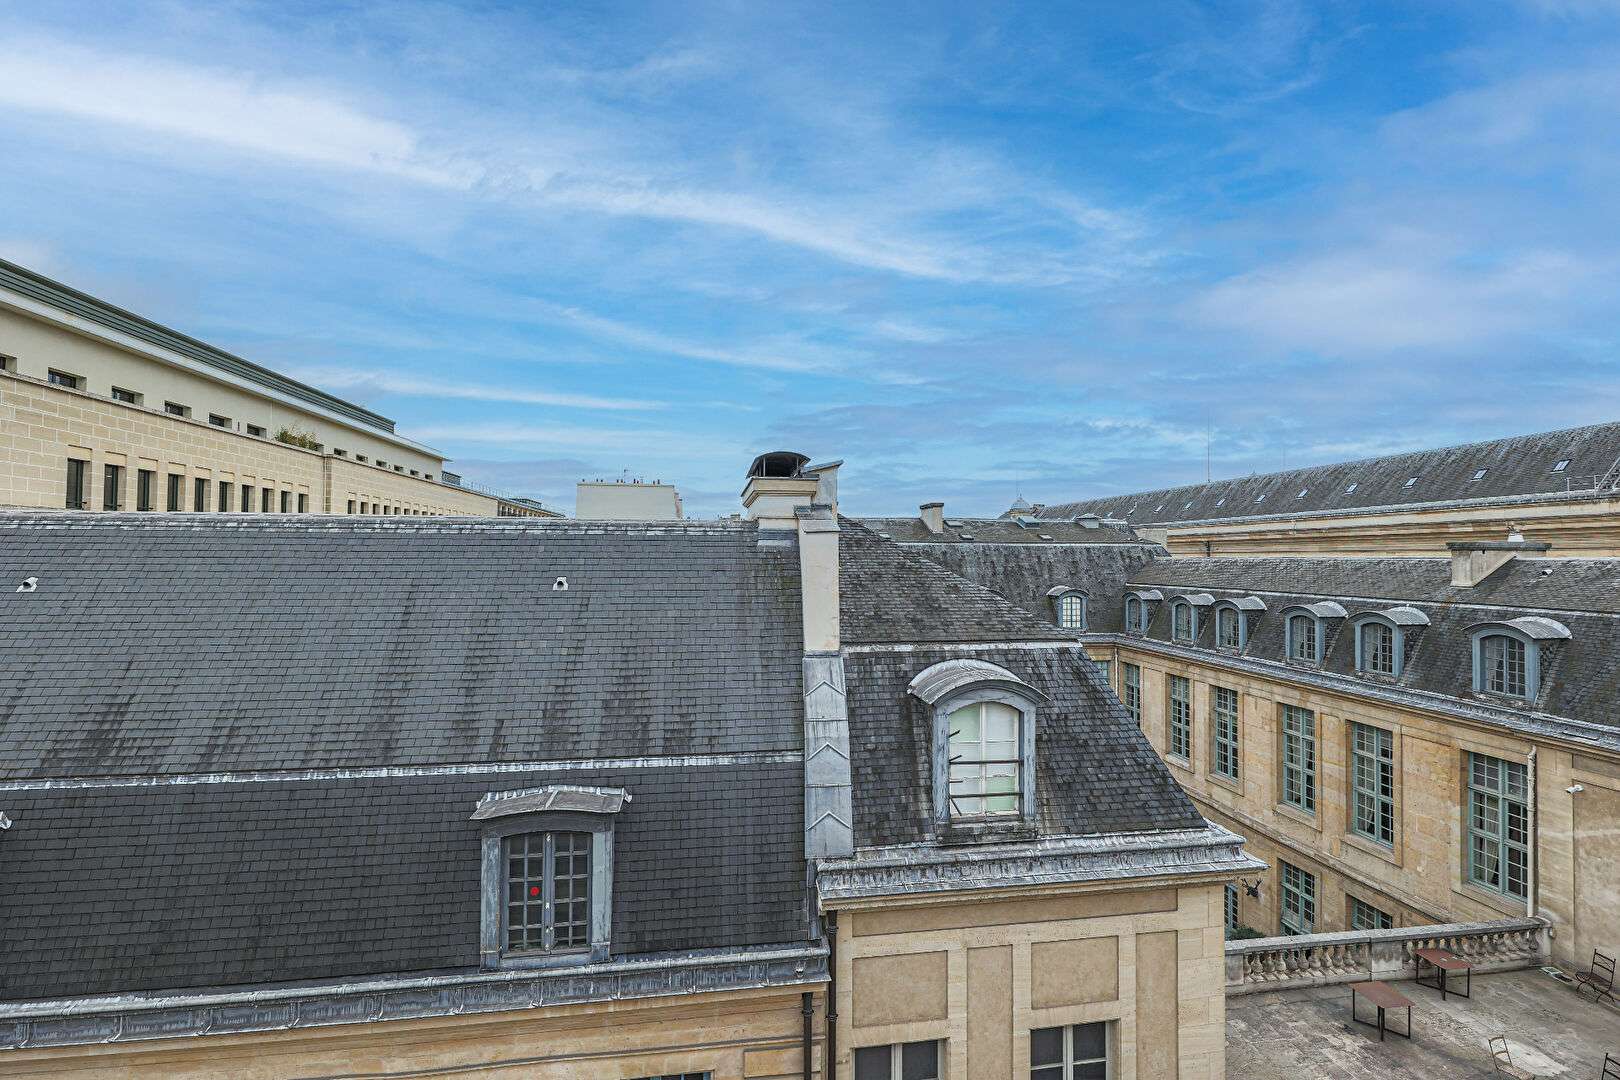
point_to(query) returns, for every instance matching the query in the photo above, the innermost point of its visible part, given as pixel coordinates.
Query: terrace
(1288, 1008)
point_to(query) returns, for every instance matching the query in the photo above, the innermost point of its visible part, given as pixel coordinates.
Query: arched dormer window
(1069, 605)
(1232, 622)
(1305, 630)
(1139, 609)
(547, 892)
(984, 741)
(1381, 639)
(1184, 621)
(1508, 655)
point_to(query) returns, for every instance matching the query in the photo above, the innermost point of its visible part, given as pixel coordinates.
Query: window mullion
(548, 915)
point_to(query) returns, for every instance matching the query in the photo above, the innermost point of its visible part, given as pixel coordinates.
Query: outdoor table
(1443, 961)
(1383, 996)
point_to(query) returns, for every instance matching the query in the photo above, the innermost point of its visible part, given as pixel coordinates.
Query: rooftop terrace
(1302, 1033)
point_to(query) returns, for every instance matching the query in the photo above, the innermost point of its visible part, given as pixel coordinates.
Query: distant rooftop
(1305, 1034)
(1573, 462)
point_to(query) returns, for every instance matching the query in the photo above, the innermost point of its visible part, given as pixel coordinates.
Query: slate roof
(115, 889)
(1516, 468)
(1026, 573)
(892, 594)
(903, 530)
(1095, 771)
(1580, 679)
(201, 643)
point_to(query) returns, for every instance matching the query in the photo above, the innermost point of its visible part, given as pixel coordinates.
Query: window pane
(1046, 1047)
(1091, 1070)
(919, 1061)
(1090, 1042)
(872, 1063)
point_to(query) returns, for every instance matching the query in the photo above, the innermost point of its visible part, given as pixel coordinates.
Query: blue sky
(967, 248)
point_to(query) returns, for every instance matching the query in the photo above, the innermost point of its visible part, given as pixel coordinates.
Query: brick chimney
(1472, 561)
(933, 516)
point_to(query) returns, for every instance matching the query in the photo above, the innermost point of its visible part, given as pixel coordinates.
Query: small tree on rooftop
(294, 437)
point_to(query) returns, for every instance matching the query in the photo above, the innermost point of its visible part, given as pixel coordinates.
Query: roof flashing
(569, 798)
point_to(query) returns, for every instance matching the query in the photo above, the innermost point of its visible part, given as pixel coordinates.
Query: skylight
(1221, 501)
(1260, 497)
(1187, 505)
(1302, 492)
(1351, 490)
(1563, 463)
(1479, 474)
(1046, 536)
(1410, 480)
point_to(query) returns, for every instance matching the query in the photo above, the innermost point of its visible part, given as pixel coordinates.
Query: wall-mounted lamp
(1252, 888)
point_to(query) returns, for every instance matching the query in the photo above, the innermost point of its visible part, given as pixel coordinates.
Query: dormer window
(1305, 631)
(984, 741)
(1302, 637)
(1070, 605)
(1381, 639)
(1508, 655)
(1138, 615)
(1183, 621)
(547, 875)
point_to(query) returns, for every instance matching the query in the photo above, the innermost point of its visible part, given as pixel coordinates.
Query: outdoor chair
(1503, 1060)
(1611, 1068)
(1598, 979)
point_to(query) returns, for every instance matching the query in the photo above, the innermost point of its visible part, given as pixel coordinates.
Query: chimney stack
(1472, 561)
(933, 516)
(777, 486)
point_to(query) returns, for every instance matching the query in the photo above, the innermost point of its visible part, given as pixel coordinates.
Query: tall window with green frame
(1498, 825)
(1180, 717)
(1372, 779)
(1224, 709)
(1298, 900)
(1299, 758)
(1131, 690)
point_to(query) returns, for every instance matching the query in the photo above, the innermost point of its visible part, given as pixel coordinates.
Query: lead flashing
(572, 798)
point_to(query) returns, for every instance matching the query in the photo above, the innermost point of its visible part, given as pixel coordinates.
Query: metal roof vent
(560, 585)
(29, 584)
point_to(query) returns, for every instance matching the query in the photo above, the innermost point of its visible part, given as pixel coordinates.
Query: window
(1375, 648)
(1260, 498)
(62, 378)
(75, 484)
(176, 409)
(361, 458)
(1410, 481)
(351, 506)
(218, 420)
(1560, 465)
(1372, 782)
(1183, 621)
(1299, 758)
(224, 495)
(399, 468)
(303, 503)
(1076, 1052)
(112, 487)
(1229, 628)
(1298, 900)
(1220, 501)
(1107, 667)
(128, 397)
(1180, 717)
(199, 495)
(1224, 709)
(1501, 665)
(177, 491)
(8, 363)
(1363, 916)
(548, 891)
(898, 1061)
(1136, 614)
(381, 464)
(680, 1076)
(264, 500)
(1498, 825)
(1232, 917)
(1131, 690)
(286, 501)
(339, 453)
(1302, 492)
(1072, 611)
(1303, 640)
(984, 759)
(1351, 489)
(255, 429)
(143, 489)
(1479, 474)
(365, 508)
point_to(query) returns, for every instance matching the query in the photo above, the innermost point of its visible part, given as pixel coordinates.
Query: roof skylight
(1563, 463)
(1479, 474)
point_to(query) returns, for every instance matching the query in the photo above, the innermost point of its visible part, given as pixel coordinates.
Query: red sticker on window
(534, 890)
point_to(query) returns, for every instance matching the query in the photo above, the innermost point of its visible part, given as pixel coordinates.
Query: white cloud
(418, 386)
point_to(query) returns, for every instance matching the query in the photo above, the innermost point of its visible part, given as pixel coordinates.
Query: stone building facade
(103, 410)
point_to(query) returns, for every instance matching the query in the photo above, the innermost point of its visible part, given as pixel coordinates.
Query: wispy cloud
(381, 382)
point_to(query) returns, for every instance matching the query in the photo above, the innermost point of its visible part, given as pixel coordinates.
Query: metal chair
(1598, 979)
(1611, 1068)
(1504, 1060)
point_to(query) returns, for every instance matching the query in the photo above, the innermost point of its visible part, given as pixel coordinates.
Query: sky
(973, 250)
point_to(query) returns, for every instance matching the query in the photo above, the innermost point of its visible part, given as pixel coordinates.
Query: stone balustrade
(1322, 959)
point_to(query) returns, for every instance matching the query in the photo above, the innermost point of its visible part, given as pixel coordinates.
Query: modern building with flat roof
(104, 410)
